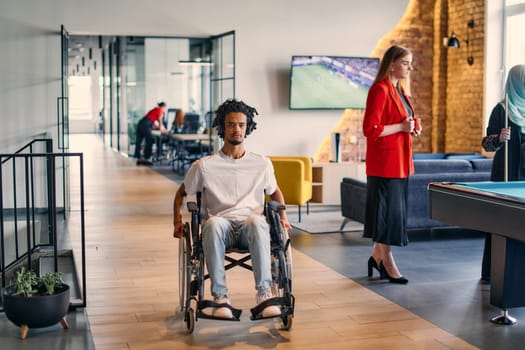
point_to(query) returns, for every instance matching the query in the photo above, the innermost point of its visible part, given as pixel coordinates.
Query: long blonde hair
(390, 56)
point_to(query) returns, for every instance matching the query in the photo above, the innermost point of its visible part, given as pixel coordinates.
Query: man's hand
(284, 221)
(178, 229)
(286, 225)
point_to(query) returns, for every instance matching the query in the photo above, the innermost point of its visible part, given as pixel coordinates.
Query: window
(514, 51)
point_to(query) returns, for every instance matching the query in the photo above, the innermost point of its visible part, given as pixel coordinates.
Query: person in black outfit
(151, 121)
(389, 123)
(496, 137)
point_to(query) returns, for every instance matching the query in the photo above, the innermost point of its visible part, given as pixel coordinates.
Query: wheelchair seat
(192, 276)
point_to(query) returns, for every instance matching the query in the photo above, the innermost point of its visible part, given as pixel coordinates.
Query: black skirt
(386, 210)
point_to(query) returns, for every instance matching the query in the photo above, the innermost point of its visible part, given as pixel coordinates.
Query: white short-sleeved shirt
(231, 188)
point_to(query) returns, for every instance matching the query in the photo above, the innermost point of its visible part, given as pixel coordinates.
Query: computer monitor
(192, 122)
(170, 117)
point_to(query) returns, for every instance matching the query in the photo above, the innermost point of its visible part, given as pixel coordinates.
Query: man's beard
(234, 142)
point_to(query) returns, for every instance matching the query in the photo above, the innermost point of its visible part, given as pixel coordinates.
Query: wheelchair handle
(192, 207)
(276, 206)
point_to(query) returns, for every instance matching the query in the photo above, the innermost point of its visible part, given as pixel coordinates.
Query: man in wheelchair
(232, 184)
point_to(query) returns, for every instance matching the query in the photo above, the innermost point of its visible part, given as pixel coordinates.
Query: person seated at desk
(233, 182)
(151, 121)
(189, 123)
(178, 127)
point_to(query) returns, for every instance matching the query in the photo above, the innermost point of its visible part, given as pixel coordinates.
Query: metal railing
(31, 232)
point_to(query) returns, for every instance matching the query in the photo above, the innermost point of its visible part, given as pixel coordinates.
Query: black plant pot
(36, 311)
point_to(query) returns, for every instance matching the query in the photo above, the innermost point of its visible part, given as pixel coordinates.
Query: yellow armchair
(294, 178)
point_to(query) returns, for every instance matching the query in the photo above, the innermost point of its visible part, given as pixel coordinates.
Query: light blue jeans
(219, 234)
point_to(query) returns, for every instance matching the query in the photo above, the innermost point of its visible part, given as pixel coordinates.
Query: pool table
(497, 208)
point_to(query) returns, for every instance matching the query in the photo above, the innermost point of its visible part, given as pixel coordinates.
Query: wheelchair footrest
(283, 302)
(205, 304)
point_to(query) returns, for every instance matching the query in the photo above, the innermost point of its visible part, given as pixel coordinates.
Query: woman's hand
(504, 135)
(417, 127)
(407, 125)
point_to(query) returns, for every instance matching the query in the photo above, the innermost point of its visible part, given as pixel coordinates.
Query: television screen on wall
(331, 82)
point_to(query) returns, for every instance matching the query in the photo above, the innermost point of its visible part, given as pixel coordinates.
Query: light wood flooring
(132, 300)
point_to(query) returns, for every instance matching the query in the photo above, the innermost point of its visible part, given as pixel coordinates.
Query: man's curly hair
(233, 105)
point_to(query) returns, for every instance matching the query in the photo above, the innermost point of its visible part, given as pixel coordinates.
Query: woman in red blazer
(388, 126)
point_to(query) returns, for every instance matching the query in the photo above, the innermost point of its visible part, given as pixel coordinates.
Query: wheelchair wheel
(287, 322)
(288, 256)
(282, 269)
(184, 259)
(189, 318)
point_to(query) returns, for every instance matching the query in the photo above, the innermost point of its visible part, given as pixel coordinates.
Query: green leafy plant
(27, 283)
(50, 281)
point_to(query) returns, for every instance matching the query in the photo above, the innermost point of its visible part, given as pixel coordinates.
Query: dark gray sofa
(448, 168)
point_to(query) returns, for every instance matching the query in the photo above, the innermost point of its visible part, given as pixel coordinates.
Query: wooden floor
(132, 300)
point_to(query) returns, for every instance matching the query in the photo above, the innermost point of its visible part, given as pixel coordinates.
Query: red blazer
(388, 156)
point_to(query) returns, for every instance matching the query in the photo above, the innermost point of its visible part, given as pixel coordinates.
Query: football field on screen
(316, 86)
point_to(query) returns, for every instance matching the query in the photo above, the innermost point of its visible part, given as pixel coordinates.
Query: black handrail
(49, 148)
(29, 192)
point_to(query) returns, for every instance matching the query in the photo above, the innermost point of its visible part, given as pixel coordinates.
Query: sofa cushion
(429, 156)
(482, 164)
(435, 166)
(418, 202)
(466, 156)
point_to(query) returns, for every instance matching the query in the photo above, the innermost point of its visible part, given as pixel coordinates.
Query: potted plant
(34, 302)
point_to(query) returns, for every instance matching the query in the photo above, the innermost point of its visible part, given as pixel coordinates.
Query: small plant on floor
(25, 282)
(35, 302)
(50, 281)
(28, 284)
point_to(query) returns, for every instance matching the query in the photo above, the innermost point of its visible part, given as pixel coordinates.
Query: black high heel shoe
(398, 280)
(372, 264)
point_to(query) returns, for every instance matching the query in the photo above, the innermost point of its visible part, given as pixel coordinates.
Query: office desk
(498, 208)
(190, 137)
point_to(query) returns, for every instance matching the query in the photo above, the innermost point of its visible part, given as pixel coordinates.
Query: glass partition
(134, 73)
(223, 74)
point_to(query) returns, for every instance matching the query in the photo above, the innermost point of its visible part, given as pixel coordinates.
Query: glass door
(63, 99)
(223, 73)
(222, 77)
(63, 123)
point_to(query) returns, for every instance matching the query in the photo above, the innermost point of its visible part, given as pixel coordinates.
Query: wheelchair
(192, 270)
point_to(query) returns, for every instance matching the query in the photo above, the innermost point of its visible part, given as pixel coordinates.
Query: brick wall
(447, 92)
(465, 89)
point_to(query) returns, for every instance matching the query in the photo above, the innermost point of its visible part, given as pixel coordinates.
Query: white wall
(494, 69)
(268, 33)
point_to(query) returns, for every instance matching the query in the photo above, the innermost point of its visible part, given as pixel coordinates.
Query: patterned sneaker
(222, 312)
(270, 310)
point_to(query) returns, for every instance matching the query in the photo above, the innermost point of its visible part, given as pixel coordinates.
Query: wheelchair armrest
(276, 206)
(192, 207)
